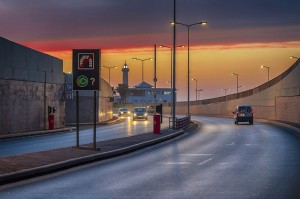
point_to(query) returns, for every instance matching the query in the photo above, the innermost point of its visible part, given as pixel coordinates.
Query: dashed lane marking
(231, 144)
(196, 154)
(205, 161)
(174, 163)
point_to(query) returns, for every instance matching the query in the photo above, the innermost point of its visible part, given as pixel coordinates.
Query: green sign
(82, 81)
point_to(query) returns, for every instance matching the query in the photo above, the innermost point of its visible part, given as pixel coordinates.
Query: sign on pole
(86, 69)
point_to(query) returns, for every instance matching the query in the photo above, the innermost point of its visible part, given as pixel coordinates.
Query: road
(221, 160)
(67, 139)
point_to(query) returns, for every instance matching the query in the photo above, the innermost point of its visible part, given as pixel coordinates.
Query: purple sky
(230, 21)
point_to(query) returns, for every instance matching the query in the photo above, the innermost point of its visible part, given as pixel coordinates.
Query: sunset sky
(241, 35)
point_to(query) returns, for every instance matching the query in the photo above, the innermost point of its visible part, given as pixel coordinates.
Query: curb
(294, 130)
(35, 133)
(38, 171)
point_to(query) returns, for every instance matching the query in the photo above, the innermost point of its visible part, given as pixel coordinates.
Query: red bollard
(156, 124)
(51, 121)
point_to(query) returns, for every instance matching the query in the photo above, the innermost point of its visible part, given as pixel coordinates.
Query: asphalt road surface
(53, 141)
(221, 160)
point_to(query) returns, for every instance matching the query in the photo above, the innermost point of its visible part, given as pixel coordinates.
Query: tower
(125, 71)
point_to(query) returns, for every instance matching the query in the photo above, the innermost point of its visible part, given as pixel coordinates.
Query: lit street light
(268, 71)
(188, 27)
(142, 60)
(109, 67)
(293, 57)
(196, 86)
(225, 92)
(237, 83)
(171, 49)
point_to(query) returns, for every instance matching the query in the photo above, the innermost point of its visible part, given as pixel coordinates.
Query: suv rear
(243, 113)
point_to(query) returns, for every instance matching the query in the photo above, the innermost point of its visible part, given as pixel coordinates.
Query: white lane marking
(205, 161)
(231, 144)
(174, 163)
(196, 154)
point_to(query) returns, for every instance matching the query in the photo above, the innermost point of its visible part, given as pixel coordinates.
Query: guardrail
(180, 123)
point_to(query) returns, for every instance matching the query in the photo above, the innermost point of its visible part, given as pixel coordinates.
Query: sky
(241, 35)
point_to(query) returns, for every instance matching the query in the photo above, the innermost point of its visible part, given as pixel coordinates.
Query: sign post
(86, 72)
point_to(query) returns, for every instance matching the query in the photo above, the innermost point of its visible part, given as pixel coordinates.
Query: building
(143, 93)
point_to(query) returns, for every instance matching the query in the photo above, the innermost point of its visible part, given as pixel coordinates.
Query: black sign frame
(86, 69)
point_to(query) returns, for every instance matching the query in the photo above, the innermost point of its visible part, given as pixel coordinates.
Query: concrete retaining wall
(30, 81)
(278, 99)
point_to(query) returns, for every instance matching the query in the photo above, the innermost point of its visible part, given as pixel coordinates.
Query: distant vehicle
(140, 113)
(124, 112)
(243, 113)
(150, 109)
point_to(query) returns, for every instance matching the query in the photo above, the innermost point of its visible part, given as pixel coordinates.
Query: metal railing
(180, 123)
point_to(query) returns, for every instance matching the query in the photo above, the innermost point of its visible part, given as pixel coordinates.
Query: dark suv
(243, 113)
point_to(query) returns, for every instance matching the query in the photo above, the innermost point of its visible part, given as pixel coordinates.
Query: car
(124, 112)
(140, 113)
(243, 113)
(150, 109)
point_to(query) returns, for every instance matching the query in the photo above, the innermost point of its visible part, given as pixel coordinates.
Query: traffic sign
(86, 70)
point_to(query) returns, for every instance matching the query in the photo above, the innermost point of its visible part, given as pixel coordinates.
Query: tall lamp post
(142, 60)
(171, 79)
(225, 92)
(188, 27)
(263, 66)
(196, 87)
(237, 83)
(171, 49)
(109, 67)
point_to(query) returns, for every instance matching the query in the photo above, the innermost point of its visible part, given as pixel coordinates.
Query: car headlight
(121, 112)
(145, 114)
(134, 114)
(128, 112)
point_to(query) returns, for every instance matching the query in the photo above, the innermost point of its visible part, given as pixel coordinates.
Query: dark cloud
(71, 19)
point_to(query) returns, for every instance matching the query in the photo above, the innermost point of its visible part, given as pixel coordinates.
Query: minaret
(125, 71)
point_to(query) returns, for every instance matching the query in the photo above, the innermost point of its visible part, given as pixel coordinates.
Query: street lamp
(109, 67)
(268, 71)
(142, 60)
(237, 83)
(171, 49)
(196, 86)
(293, 57)
(199, 92)
(188, 27)
(225, 92)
